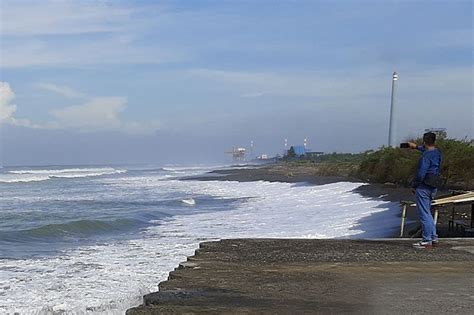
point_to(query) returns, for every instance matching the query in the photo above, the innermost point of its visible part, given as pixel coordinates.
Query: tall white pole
(392, 128)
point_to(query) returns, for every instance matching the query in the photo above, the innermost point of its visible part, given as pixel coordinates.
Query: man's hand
(412, 145)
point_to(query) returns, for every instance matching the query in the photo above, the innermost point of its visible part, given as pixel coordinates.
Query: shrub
(399, 165)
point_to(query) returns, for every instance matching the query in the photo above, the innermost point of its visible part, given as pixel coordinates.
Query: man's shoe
(423, 244)
(435, 242)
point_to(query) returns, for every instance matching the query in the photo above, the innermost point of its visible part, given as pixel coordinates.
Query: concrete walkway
(290, 276)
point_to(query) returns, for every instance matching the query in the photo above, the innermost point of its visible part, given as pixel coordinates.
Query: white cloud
(61, 17)
(7, 109)
(100, 113)
(60, 89)
(39, 52)
(293, 84)
(97, 114)
(341, 85)
(6, 96)
(77, 33)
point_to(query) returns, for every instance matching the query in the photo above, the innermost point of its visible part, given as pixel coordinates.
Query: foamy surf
(64, 170)
(35, 175)
(190, 202)
(112, 276)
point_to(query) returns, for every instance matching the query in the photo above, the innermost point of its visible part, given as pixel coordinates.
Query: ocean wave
(84, 278)
(15, 179)
(65, 170)
(24, 176)
(80, 228)
(86, 174)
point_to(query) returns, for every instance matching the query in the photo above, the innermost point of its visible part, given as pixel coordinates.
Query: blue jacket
(430, 163)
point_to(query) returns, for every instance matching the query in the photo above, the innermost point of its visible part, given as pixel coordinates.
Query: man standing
(425, 186)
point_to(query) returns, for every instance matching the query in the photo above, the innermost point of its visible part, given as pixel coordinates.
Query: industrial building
(300, 151)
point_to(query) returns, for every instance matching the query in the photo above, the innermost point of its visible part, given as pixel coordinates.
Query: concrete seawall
(288, 276)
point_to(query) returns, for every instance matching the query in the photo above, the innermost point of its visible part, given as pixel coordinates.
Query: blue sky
(150, 81)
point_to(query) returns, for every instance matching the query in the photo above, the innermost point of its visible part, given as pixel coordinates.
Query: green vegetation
(398, 166)
(458, 162)
(389, 165)
(340, 158)
(291, 153)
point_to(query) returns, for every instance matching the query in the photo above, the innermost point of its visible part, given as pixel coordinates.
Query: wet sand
(294, 276)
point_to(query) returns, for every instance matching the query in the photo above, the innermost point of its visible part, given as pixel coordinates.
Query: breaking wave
(143, 230)
(65, 170)
(34, 175)
(80, 228)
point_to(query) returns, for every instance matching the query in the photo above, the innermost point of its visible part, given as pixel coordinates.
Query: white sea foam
(190, 202)
(34, 175)
(109, 278)
(63, 170)
(9, 178)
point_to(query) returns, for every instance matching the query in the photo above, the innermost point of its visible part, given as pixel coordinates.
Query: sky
(102, 82)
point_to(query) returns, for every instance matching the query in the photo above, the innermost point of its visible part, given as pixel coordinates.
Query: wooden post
(404, 212)
(451, 222)
(472, 215)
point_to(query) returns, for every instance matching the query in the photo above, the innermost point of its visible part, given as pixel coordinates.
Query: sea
(95, 239)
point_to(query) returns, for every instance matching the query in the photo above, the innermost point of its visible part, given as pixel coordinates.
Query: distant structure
(440, 133)
(299, 150)
(392, 127)
(238, 154)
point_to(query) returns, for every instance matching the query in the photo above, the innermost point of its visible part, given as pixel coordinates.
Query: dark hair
(429, 138)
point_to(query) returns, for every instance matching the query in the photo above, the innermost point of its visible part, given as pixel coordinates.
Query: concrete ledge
(288, 276)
